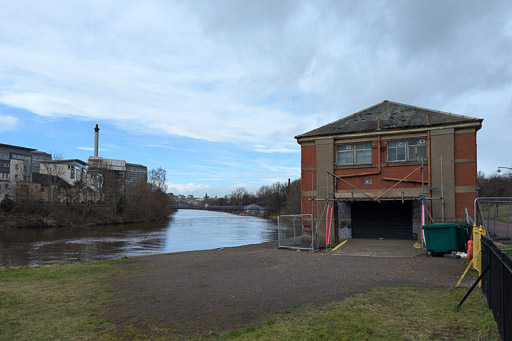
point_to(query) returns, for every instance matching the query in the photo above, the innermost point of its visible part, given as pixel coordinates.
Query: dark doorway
(388, 219)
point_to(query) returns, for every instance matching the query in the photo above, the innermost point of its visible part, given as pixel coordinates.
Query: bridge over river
(252, 207)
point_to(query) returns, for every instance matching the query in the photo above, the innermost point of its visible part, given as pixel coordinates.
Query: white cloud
(256, 73)
(8, 123)
(188, 188)
(286, 147)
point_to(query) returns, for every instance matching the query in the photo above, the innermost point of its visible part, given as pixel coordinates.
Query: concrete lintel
(465, 189)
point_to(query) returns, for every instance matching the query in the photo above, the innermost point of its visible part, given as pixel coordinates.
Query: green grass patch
(59, 303)
(55, 302)
(384, 313)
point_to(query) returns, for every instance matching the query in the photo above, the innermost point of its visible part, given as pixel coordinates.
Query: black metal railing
(497, 286)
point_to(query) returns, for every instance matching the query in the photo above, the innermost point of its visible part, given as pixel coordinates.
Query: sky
(215, 91)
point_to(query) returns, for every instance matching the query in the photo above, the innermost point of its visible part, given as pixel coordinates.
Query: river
(187, 230)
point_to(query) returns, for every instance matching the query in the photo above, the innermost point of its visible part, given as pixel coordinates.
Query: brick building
(374, 168)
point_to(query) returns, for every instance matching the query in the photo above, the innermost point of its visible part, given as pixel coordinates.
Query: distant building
(15, 165)
(135, 174)
(37, 158)
(45, 188)
(125, 176)
(71, 171)
(111, 175)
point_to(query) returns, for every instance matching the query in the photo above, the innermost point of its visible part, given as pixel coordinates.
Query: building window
(16, 166)
(357, 153)
(407, 150)
(5, 165)
(43, 189)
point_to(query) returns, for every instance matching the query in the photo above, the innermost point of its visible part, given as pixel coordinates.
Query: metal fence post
(502, 287)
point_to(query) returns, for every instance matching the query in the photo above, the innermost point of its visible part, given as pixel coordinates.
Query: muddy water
(187, 230)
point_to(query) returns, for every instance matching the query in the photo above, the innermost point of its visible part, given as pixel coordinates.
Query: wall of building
(456, 146)
(465, 171)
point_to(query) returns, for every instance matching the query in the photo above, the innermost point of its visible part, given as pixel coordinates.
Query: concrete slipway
(378, 248)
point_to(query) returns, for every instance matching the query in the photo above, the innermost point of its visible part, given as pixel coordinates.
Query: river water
(187, 230)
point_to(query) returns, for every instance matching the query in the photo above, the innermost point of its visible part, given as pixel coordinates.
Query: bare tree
(53, 170)
(157, 179)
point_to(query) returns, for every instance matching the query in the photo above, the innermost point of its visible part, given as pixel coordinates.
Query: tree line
(280, 198)
(494, 185)
(113, 202)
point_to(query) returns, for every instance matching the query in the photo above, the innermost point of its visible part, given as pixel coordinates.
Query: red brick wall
(465, 146)
(306, 205)
(308, 177)
(462, 201)
(308, 156)
(395, 172)
(465, 174)
(308, 180)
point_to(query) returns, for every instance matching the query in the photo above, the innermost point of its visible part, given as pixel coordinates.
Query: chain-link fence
(296, 232)
(496, 216)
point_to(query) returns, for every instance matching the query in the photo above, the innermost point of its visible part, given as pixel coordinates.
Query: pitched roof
(392, 115)
(47, 180)
(3, 145)
(66, 161)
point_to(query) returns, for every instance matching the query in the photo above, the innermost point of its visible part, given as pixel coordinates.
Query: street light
(499, 169)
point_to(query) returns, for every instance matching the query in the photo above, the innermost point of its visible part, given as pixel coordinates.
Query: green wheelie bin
(444, 238)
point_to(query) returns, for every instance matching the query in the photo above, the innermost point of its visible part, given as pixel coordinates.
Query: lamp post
(499, 169)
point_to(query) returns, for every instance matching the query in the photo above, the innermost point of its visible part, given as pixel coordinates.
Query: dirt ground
(205, 293)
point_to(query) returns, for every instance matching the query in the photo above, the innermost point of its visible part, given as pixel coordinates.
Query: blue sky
(215, 91)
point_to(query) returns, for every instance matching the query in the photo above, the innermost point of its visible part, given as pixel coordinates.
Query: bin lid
(441, 226)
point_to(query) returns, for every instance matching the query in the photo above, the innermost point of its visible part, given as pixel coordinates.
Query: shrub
(7, 204)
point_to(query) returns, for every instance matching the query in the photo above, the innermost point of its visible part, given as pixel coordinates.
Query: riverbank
(199, 294)
(46, 216)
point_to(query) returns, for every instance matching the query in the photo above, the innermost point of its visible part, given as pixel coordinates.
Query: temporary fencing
(296, 231)
(495, 214)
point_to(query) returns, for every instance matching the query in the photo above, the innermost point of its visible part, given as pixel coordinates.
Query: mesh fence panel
(496, 216)
(296, 231)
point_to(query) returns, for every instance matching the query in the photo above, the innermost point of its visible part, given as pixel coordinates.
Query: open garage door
(388, 219)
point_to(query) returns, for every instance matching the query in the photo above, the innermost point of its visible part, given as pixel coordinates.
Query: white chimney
(96, 139)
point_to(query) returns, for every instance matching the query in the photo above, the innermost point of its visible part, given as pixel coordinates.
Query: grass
(56, 302)
(508, 250)
(384, 313)
(60, 302)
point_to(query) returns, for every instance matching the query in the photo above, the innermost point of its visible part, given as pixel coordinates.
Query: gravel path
(209, 292)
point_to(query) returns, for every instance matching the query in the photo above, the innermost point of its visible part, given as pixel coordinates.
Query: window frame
(353, 149)
(407, 145)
